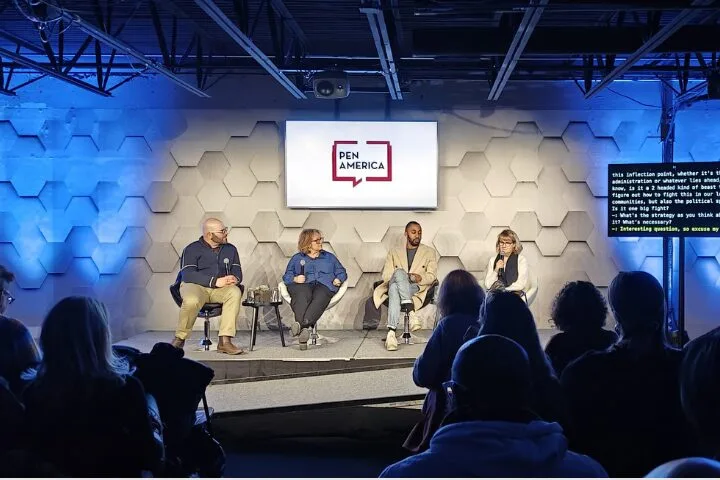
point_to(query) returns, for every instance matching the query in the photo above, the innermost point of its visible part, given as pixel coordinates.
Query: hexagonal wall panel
(213, 166)
(141, 303)
(55, 134)
(447, 265)
(161, 197)
(56, 257)
(293, 218)
(8, 227)
(371, 257)
(134, 180)
(526, 166)
(162, 257)
(8, 136)
(266, 226)
(162, 227)
(526, 225)
(29, 272)
(135, 242)
(474, 166)
(244, 241)
(81, 180)
(551, 241)
(214, 196)
(54, 226)
(29, 178)
(240, 181)
(551, 210)
(55, 196)
(134, 147)
(184, 237)
(322, 221)
(109, 258)
(553, 151)
(500, 181)
(188, 181)
(449, 242)
(597, 181)
(82, 241)
(474, 255)
(188, 212)
(288, 240)
(474, 198)
(108, 197)
(266, 169)
(577, 226)
(108, 135)
(578, 137)
(474, 226)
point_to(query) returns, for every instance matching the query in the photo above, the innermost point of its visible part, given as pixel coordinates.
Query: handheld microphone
(302, 267)
(227, 267)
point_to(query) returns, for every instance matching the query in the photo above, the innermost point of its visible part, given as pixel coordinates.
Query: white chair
(333, 301)
(532, 290)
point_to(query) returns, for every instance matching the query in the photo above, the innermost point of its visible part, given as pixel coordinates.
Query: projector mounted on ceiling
(331, 85)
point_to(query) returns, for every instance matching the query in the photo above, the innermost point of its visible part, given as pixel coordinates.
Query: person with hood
(491, 430)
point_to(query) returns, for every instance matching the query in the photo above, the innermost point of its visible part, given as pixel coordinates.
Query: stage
(348, 367)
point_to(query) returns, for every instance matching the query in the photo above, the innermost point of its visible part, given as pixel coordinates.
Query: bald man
(211, 273)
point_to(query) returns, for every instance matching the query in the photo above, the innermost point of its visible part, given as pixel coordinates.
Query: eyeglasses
(224, 231)
(318, 240)
(7, 295)
(507, 243)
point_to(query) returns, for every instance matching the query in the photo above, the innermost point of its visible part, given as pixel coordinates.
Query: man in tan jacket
(407, 275)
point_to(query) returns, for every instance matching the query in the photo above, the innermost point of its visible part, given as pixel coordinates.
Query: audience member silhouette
(491, 430)
(506, 314)
(700, 390)
(19, 354)
(625, 401)
(84, 414)
(693, 467)
(459, 302)
(578, 311)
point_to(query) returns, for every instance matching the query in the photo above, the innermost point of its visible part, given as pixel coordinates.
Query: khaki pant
(195, 296)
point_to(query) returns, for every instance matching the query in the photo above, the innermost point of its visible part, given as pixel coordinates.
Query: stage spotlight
(331, 85)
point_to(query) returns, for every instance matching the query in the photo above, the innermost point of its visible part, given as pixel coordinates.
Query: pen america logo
(355, 162)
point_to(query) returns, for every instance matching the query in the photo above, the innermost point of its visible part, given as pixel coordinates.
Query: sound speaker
(331, 85)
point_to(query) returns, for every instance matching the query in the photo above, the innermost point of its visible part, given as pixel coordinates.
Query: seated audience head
(506, 314)
(490, 372)
(693, 467)
(310, 240)
(637, 301)
(6, 278)
(460, 293)
(508, 243)
(579, 306)
(18, 352)
(76, 344)
(413, 234)
(700, 388)
(215, 232)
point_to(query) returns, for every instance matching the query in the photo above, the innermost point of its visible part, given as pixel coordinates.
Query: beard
(414, 241)
(219, 240)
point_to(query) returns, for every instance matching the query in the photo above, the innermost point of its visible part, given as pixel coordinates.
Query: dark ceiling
(488, 41)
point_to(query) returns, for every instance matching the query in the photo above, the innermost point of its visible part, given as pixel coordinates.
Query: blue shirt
(323, 269)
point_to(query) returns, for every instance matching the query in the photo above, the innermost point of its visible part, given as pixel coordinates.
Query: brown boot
(226, 346)
(178, 343)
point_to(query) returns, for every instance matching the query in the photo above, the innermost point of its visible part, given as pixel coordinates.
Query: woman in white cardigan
(508, 269)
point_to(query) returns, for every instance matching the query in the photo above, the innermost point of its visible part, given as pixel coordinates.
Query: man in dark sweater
(211, 273)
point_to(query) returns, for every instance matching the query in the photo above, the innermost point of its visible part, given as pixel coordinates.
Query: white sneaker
(415, 323)
(391, 341)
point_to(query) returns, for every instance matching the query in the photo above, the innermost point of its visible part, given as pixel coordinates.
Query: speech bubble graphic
(354, 179)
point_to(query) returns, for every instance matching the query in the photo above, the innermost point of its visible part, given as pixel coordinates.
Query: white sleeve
(491, 275)
(521, 283)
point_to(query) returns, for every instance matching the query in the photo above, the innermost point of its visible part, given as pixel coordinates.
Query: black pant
(309, 301)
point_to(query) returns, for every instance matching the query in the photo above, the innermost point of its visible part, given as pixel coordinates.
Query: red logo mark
(355, 180)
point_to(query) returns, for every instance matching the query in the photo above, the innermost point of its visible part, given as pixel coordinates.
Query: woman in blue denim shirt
(312, 276)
